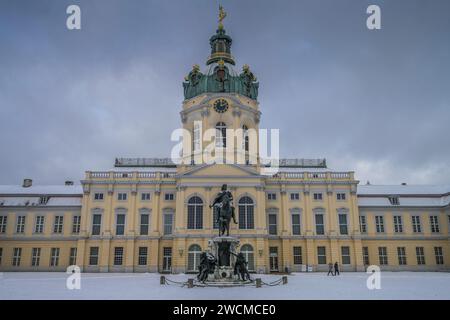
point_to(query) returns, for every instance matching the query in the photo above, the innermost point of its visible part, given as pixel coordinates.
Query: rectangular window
(73, 257)
(317, 196)
(1, 255)
(297, 252)
(98, 196)
(401, 252)
(142, 257)
(296, 227)
(145, 196)
(168, 220)
(379, 223)
(340, 196)
(382, 256)
(120, 224)
(420, 255)
(76, 223)
(343, 228)
(39, 225)
(96, 224)
(345, 252)
(93, 256)
(3, 223)
(434, 224)
(273, 258)
(118, 256)
(362, 224)
(43, 200)
(320, 228)
(398, 224)
(169, 196)
(366, 256)
(438, 254)
(20, 227)
(167, 259)
(321, 255)
(272, 224)
(121, 196)
(17, 254)
(58, 225)
(394, 201)
(35, 257)
(417, 227)
(271, 196)
(295, 196)
(54, 257)
(144, 224)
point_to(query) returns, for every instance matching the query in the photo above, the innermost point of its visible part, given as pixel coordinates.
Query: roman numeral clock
(220, 105)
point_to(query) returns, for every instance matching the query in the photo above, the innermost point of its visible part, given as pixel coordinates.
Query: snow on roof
(41, 190)
(364, 190)
(53, 201)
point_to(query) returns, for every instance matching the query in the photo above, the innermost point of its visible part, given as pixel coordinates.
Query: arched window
(196, 136)
(195, 213)
(194, 257)
(247, 251)
(245, 140)
(246, 213)
(221, 135)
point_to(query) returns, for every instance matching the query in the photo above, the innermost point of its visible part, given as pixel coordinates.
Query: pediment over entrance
(217, 170)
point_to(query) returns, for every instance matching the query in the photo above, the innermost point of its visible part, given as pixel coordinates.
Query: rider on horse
(222, 205)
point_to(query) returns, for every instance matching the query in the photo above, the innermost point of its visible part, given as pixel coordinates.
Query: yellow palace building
(153, 215)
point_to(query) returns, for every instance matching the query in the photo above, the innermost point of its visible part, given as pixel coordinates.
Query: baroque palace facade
(152, 215)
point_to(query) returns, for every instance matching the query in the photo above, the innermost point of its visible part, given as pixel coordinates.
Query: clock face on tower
(221, 105)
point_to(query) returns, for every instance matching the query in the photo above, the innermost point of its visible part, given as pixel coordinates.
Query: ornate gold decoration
(222, 15)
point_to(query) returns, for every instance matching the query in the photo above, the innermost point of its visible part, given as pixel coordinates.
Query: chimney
(27, 183)
(68, 183)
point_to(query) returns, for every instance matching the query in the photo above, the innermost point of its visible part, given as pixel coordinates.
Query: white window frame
(363, 224)
(122, 196)
(3, 223)
(54, 257)
(20, 223)
(416, 223)
(401, 254)
(58, 224)
(39, 224)
(434, 224)
(398, 223)
(35, 257)
(379, 224)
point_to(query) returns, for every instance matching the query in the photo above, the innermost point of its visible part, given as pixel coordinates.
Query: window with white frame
(271, 196)
(195, 213)
(321, 255)
(93, 256)
(142, 256)
(167, 259)
(420, 253)
(272, 219)
(98, 196)
(35, 257)
(96, 224)
(340, 196)
(120, 224)
(73, 257)
(118, 256)
(416, 224)
(295, 196)
(247, 251)
(398, 224)
(54, 257)
(145, 196)
(17, 255)
(39, 224)
(246, 213)
(122, 196)
(20, 226)
(76, 223)
(439, 255)
(379, 224)
(317, 196)
(345, 255)
(296, 226)
(168, 223)
(343, 224)
(144, 223)
(320, 226)
(297, 254)
(169, 196)
(197, 136)
(401, 253)
(3, 223)
(434, 224)
(58, 224)
(194, 253)
(363, 224)
(366, 260)
(221, 135)
(382, 256)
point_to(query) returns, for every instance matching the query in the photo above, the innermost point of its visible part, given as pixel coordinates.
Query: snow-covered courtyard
(394, 285)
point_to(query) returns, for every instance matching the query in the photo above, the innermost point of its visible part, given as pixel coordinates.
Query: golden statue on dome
(222, 15)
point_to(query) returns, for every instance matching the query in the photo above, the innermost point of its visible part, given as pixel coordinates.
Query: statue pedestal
(225, 249)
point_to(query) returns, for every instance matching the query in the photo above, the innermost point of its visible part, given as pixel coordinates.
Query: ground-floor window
(167, 259)
(297, 253)
(194, 257)
(73, 257)
(438, 254)
(142, 256)
(93, 256)
(17, 253)
(247, 251)
(345, 252)
(273, 258)
(321, 255)
(420, 255)
(54, 257)
(366, 256)
(382, 256)
(401, 252)
(35, 257)
(118, 256)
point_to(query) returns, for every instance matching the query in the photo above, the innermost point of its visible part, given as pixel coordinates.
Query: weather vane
(222, 15)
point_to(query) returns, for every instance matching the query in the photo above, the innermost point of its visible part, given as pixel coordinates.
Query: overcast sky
(376, 102)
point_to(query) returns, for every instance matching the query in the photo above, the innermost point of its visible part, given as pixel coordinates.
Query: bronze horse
(224, 210)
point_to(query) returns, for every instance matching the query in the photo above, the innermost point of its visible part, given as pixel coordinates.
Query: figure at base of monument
(224, 210)
(207, 265)
(240, 267)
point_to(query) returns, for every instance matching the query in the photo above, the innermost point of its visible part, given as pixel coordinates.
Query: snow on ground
(394, 285)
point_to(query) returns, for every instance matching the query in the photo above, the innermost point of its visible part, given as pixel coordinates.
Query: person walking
(336, 269)
(330, 269)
